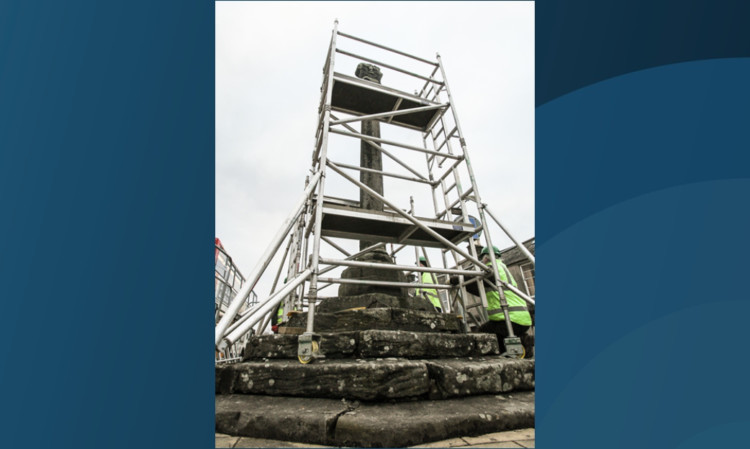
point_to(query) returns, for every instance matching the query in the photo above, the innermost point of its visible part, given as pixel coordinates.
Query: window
(528, 278)
(221, 270)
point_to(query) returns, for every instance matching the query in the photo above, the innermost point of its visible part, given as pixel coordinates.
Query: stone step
(373, 300)
(377, 343)
(378, 379)
(381, 319)
(479, 375)
(355, 379)
(338, 423)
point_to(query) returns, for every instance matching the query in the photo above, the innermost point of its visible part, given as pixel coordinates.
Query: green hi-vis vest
(517, 309)
(280, 314)
(431, 293)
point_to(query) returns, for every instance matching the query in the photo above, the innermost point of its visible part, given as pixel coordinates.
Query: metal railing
(228, 280)
(442, 140)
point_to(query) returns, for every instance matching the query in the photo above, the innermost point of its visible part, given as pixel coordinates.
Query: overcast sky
(269, 60)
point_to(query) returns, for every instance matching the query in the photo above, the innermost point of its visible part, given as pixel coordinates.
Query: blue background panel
(641, 248)
(107, 187)
(107, 191)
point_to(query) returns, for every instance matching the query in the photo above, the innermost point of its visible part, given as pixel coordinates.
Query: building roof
(512, 255)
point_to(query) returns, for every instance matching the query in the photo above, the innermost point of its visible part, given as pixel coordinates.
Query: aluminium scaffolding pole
(307, 347)
(234, 307)
(513, 344)
(318, 216)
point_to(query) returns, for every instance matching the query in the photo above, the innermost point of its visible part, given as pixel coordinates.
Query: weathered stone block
(528, 342)
(369, 72)
(383, 319)
(223, 378)
(378, 343)
(339, 345)
(373, 274)
(480, 375)
(281, 418)
(411, 423)
(373, 300)
(335, 422)
(354, 379)
(421, 321)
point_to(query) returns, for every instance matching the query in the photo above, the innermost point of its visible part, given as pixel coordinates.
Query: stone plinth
(483, 375)
(337, 423)
(377, 378)
(373, 274)
(377, 344)
(381, 319)
(373, 301)
(351, 379)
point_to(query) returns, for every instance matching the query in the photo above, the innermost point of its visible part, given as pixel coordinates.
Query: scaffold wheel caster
(305, 359)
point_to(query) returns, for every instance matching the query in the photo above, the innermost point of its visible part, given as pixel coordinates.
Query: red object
(217, 242)
(275, 328)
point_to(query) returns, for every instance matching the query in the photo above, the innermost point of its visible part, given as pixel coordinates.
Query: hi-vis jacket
(280, 314)
(431, 293)
(517, 309)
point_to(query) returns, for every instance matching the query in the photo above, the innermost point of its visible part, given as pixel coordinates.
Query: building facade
(228, 281)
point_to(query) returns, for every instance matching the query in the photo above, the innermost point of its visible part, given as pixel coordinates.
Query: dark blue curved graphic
(582, 42)
(643, 223)
(639, 133)
(107, 197)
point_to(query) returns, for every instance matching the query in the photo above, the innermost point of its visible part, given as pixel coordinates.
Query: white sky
(269, 60)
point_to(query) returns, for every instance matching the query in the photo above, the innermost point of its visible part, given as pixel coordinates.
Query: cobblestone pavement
(513, 438)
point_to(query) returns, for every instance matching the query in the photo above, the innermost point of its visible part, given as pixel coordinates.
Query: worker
(279, 315)
(430, 293)
(520, 318)
(279, 318)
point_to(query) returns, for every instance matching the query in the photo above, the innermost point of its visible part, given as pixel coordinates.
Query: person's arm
(472, 288)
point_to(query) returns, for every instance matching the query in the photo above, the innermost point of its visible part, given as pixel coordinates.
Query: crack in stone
(331, 426)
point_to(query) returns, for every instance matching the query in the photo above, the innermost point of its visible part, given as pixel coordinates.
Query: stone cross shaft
(369, 156)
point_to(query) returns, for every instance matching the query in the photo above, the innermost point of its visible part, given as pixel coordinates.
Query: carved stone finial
(369, 72)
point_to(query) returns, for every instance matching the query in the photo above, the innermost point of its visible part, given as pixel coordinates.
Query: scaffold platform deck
(360, 224)
(361, 97)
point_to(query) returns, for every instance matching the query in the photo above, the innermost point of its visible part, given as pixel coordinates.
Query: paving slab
(246, 442)
(226, 440)
(362, 424)
(496, 438)
(451, 442)
(512, 435)
(503, 444)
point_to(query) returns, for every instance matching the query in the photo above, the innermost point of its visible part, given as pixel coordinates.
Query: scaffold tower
(425, 123)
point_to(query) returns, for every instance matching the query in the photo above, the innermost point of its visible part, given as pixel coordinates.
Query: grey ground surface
(344, 423)
(512, 438)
